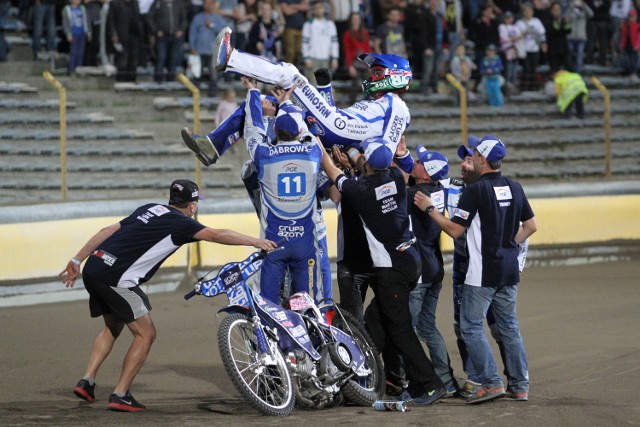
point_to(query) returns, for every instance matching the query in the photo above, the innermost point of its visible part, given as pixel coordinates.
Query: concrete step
(73, 134)
(13, 104)
(51, 119)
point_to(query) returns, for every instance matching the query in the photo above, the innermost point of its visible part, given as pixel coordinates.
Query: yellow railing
(194, 259)
(463, 106)
(607, 125)
(63, 131)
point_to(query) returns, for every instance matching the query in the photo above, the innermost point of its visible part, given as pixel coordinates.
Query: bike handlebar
(263, 253)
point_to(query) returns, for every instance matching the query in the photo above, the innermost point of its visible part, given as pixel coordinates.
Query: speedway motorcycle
(280, 356)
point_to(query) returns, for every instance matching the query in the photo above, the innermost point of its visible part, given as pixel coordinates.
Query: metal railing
(63, 131)
(462, 92)
(194, 259)
(607, 125)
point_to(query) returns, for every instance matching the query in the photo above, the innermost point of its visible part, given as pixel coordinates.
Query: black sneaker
(125, 404)
(427, 398)
(85, 391)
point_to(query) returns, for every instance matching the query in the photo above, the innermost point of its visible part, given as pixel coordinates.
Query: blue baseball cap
(491, 148)
(436, 164)
(377, 152)
(288, 123)
(464, 150)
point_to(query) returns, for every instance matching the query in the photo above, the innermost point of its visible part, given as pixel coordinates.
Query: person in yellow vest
(571, 91)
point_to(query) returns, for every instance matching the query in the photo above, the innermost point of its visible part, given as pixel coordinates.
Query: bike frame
(232, 280)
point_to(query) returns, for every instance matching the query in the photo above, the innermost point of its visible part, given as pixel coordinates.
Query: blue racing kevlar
(288, 174)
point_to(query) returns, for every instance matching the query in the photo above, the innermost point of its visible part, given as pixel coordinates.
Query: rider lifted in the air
(384, 115)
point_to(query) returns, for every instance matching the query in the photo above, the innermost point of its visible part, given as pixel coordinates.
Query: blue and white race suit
(288, 173)
(386, 117)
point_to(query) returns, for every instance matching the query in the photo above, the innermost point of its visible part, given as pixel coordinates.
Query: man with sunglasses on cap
(455, 187)
(380, 199)
(120, 258)
(385, 115)
(497, 216)
(430, 168)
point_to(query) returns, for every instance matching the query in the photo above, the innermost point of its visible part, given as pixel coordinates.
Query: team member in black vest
(380, 199)
(120, 258)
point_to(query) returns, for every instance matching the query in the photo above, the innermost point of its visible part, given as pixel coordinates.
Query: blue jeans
(577, 50)
(168, 51)
(475, 304)
(44, 15)
(423, 301)
(76, 51)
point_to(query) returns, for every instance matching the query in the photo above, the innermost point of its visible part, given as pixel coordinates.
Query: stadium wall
(37, 241)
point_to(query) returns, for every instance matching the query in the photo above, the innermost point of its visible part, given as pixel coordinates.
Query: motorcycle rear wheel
(363, 391)
(267, 387)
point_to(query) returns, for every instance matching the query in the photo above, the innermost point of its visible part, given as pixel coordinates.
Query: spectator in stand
(557, 32)
(389, 36)
(534, 42)
(229, 10)
(461, 67)
(44, 14)
(4, 45)
(491, 69)
(511, 45)
(580, 13)
(542, 11)
(503, 6)
(601, 25)
(428, 35)
(125, 28)
(92, 48)
(202, 36)
(77, 30)
(248, 11)
(265, 34)
(343, 11)
(355, 42)
(168, 22)
(453, 18)
(294, 12)
(416, 34)
(630, 43)
(618, 12)
(227, 106)
(147, 47)
(485, 32)
(320, 48)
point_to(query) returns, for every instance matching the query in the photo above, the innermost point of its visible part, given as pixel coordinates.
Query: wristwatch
(429, 209)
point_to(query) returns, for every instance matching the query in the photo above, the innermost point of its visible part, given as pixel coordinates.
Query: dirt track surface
(581, 327)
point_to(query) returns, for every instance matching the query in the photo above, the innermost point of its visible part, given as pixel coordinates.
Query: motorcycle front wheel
(363, 391)
(265, 383)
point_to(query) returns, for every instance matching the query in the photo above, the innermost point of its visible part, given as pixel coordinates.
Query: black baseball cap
(184, 191)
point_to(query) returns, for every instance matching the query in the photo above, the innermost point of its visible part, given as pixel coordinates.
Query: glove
(323, 76)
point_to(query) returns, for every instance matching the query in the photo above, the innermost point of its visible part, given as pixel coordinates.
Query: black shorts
(125, 304)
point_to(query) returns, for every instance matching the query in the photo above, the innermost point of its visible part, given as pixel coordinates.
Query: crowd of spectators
(159, 34)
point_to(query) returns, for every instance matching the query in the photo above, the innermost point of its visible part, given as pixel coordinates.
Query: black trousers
(578, 104)
(353, 290)
(389, 322)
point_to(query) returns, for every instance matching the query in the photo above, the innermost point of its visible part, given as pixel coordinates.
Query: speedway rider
(385, 115)
(288, 175)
